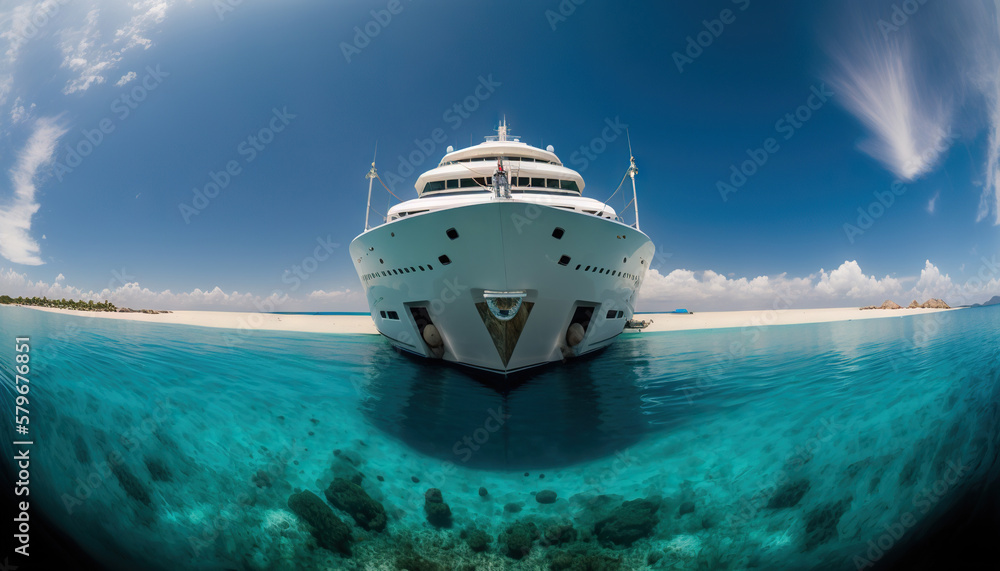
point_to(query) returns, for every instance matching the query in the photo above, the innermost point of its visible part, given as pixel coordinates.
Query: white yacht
(500, 263)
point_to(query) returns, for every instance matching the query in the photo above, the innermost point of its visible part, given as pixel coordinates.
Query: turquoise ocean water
(825, 446)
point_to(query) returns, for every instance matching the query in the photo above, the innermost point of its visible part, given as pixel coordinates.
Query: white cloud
(91, 56)
(16, 243)
(126, 78)
(133, 295)
(909, 78)
(932, 203)
(19, 113)
(845, 286)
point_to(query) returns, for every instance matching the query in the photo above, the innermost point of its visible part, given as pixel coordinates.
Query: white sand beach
(362, 324)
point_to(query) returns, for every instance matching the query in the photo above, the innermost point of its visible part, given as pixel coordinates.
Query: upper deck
(530, 170)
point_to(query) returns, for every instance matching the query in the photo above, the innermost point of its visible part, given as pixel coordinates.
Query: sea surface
(822, 446)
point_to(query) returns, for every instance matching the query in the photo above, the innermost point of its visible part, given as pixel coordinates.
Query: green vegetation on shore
(58, 303)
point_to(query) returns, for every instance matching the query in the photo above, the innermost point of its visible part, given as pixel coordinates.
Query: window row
(615, 273)
(495, 159)
(395, 272)
(515, 181)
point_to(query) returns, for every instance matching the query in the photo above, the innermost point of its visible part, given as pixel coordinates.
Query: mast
(632, 170)
(372, 174)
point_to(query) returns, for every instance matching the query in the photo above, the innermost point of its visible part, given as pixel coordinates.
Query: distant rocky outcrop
(933, 303)
(995, 300)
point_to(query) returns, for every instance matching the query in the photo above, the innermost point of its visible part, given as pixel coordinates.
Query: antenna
(371, 176)
(632, 171)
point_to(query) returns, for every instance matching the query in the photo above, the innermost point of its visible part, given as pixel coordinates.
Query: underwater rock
(80, 447)
(477, 540)
(629, 522)
(348, 456)
(512, 507)
(686, 508)
(158, 470)
(483, 492)
(821, 523)
(789, 495)
(438, 512)
(263, 479)
(583, 560)
(353, 499)
(546, 497)
(413, 561)
(557, 534)
(380, 478)
(133, 487)
(415, 479)
(329, 531)
(518, 538)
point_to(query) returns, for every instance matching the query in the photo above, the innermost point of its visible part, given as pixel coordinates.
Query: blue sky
(115, 112)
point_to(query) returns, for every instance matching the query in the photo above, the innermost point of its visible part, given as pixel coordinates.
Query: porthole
(445, 260)
(452, 233)
(564, 260)
(558, 233)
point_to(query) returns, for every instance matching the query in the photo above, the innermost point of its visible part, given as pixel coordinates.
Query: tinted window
(434, 185)
(552, 183)
(539, 182)
(468, 183)
(452, 184)
(569, 185)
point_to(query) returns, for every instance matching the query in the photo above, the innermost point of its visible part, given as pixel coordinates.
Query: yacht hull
(440, 268)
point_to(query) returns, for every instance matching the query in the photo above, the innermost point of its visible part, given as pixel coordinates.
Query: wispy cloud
(910, 77)
(932, 203)
(126, 78)
(16, 243)
(91, 56)
(19, 112)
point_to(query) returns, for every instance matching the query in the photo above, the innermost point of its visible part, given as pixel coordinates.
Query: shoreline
(363, 324)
